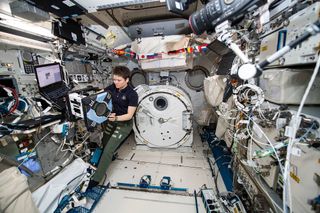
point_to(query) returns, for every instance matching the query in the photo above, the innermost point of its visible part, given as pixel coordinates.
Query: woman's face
(120, 82)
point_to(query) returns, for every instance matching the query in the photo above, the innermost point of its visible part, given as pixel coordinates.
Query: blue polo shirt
(121, 99)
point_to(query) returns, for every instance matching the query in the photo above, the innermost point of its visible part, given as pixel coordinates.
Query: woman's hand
(112, 117)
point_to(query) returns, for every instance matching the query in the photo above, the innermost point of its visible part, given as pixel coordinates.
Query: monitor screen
(48, 74)
(69, 30)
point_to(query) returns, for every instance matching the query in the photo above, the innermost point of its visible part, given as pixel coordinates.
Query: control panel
(27, 85)
(27, 61)
(210, 201)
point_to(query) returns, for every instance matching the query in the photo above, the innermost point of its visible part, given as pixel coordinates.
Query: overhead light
(25, 26)
(19, 41)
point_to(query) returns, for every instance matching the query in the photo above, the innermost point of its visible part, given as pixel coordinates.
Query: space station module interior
(228, 105)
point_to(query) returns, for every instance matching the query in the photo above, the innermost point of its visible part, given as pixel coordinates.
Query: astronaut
(119, 125)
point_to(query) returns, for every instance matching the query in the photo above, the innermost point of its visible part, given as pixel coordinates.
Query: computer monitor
(48, 74)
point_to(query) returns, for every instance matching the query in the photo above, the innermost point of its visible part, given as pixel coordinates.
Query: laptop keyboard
(57, 93)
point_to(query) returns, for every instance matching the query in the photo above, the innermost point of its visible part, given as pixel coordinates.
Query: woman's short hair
(121, 71)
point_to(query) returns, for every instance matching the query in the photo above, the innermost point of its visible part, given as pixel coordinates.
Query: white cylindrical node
(163, 117)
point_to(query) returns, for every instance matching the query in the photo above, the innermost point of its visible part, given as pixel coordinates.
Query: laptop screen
(48, 74)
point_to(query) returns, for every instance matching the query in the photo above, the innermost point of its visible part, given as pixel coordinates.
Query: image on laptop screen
(48, 74)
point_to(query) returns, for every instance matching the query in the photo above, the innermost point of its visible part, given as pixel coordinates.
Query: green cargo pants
(113, 135)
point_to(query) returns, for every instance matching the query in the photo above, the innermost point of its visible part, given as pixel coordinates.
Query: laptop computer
(51, 84)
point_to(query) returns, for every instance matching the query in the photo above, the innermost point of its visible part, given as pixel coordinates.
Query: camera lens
(217, 11)
(204, 19)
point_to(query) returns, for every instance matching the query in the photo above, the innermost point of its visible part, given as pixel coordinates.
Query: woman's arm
(125, 117)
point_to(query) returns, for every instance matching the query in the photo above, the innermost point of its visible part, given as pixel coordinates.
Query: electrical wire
(196, 201)
(307, 132)
(295, 124)
(15, 97)
(227, 120)
(261, 114)
(77, 145)
(250, 150)
(256, 140)
(249, 130)
(266, 137)
(211, 169)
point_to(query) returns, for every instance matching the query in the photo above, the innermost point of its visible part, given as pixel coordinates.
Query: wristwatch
(116, 118)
